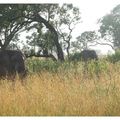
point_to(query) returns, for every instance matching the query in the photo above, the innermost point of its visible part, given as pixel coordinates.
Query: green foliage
(75, 57)
(85, 38)
(89, 70)
(110, 27)
(46, 19)
(114, 57)
(38, 65)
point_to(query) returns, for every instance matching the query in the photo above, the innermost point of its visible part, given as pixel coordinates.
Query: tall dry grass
(64, 93)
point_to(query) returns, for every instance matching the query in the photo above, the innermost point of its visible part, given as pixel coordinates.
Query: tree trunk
(7, 41)
(68, 47)
(38, 18)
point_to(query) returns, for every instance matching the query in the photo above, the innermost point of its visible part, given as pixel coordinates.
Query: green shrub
(37, 65)
(92, 68)
(114, 57)
(75, 57)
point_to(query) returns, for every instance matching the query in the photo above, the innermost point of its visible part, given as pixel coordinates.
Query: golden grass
(62, 94)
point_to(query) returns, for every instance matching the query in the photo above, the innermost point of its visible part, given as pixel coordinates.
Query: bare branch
(106, 44)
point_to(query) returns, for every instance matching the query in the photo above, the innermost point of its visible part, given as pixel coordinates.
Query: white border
(60, 117)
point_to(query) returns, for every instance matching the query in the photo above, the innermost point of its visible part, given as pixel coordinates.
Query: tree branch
(106, 44)
(38, 18)
(38, 55)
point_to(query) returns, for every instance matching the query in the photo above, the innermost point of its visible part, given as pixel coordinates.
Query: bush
(75, 57)
(114, 57)
(37, 65)
(92, 68)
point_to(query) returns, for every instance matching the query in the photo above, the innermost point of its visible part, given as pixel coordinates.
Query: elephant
(12, 62)
(87, 55)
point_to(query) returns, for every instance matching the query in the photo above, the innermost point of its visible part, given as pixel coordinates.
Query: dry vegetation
(64, 93)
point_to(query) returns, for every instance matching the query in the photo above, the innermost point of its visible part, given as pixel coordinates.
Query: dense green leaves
(18, 16)
(110, 25)
(60, 17)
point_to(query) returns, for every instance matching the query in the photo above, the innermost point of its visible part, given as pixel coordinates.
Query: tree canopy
(110, 27)
(15, 17)
(45, 18)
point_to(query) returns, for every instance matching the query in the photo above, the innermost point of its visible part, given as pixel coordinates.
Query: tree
(68, 18)
(85, 40)
(35, 16)
(44, 43)
(8, 27)
(110, 28)
(63, 19)
(42, 39)
(15, 17)
(14, 44)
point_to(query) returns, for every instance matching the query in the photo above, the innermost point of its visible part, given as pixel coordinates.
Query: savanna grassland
(64, 90)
